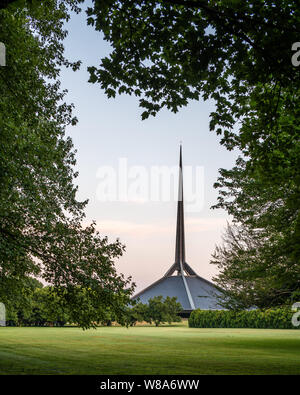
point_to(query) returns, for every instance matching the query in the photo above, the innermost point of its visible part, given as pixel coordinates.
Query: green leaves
(280, 318)
(157, 310)
(168, 53)
(41, 231)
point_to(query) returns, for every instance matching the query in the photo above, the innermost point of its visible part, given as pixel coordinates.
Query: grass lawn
(173, 349)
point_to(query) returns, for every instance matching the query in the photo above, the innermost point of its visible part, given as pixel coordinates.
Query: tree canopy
(41, 231)
(157, 310)
(169, 52)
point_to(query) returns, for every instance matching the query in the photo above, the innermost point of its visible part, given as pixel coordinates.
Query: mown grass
(174, 349)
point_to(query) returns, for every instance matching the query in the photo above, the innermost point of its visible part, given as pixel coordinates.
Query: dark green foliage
(157, 310)
(168, 52)
(41, 306)
(279, 318)
(259, 259)
(41, 231)
(136, 313)
(253, 270)
(107, 318)
(47, 306)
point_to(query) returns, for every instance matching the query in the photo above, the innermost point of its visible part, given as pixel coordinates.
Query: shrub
(276, 318)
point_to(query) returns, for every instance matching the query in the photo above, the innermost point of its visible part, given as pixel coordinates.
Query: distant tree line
(40, 305)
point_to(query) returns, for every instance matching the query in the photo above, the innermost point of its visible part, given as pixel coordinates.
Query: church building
(192, 291)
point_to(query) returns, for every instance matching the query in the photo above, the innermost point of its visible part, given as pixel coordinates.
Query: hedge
(277, 318)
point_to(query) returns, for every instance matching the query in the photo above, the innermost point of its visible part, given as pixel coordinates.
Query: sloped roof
(191, 290)
(203, 292)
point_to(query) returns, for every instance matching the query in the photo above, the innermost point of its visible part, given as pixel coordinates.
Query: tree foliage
(41, 230)
(259, 260)
(136, 313)
(157, 310)
(169, 52)
(39, 305)
(253, 270)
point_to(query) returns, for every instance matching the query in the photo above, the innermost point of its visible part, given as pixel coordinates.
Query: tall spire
(180, 264)
(180, 242)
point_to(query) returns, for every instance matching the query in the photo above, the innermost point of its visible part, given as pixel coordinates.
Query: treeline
(277, 318)
(39, 305)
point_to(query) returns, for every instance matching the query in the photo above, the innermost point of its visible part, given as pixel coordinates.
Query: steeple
(180, 264)
(180, 244)
(191, 290)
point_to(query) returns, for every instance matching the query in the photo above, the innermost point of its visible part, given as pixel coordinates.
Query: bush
(276, 318)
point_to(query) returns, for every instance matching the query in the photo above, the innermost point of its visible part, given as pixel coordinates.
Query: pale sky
(111, 129)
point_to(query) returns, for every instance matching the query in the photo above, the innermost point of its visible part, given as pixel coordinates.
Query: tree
(41, 232)
(136, 313)
(172, 309)
(19, 307)
(108, 318)
(259, 259)
(155, 311)
(40, 305)
(171, 51)
(48, 308)
(37, 306)
(245, 276)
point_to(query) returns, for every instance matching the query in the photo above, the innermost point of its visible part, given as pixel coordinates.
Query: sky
(110, 138)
